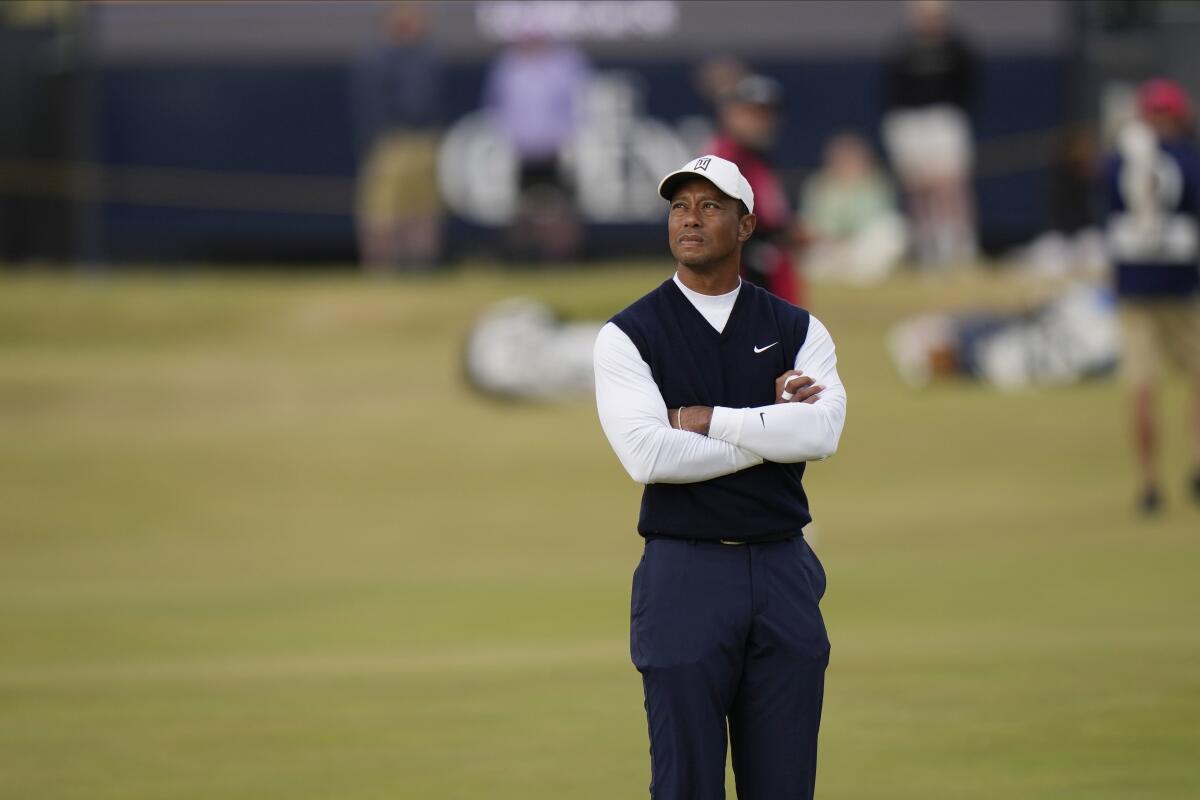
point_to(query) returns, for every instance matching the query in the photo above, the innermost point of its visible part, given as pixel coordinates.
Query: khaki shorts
(1156, 331)
(926, 144)
(399, 178)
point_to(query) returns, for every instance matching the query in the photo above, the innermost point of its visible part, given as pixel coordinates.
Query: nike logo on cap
(764, 349)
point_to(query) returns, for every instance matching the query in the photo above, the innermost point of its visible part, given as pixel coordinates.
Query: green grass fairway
(260, 541)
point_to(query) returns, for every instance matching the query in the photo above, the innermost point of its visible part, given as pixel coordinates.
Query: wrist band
(679, 417)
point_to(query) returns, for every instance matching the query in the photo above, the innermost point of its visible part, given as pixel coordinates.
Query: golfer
(714, 394)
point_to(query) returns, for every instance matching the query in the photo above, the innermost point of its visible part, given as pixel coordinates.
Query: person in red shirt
(749, 118)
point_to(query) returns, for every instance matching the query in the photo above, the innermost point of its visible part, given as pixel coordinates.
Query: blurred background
(234, 132)
(302, 491)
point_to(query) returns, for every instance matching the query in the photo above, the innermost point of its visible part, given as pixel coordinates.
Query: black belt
(766, 539)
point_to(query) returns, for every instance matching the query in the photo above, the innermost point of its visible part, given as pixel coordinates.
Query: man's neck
(718, 281)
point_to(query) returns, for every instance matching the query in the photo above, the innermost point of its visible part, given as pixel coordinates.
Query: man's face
(704, 225)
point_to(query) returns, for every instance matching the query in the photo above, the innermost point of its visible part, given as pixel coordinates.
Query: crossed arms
(635, 417)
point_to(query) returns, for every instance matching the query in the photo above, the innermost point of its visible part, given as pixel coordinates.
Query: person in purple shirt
(1152, 204)
(534, 94)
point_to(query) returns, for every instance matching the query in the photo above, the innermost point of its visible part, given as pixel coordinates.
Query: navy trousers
(730, 643)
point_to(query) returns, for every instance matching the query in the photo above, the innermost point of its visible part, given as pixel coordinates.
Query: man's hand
(800, 388)
(693, 418)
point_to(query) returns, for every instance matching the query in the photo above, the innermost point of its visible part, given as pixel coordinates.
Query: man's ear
(746, 225)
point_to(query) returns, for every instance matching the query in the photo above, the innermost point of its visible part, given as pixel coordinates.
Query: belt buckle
(728, 541)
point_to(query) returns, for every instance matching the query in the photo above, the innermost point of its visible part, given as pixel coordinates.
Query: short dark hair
(742, 210)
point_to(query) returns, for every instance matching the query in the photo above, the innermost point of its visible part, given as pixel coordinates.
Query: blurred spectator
(927, 131)
(397, 102)
(535, 93)
(855, 231)
(718, 77)
(748, 121)
(1152, 189)
(1073, 244)
(712, 79)
(1067, 338)
(1074, 178)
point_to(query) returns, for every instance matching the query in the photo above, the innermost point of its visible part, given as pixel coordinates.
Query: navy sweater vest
(694, 365)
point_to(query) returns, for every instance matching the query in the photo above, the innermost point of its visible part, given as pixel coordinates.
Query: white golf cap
(721, 173)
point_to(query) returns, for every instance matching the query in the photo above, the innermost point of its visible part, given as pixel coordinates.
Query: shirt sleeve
(791, 432)
(633, 415)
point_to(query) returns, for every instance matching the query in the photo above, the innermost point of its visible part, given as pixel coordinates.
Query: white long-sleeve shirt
(633, 413)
